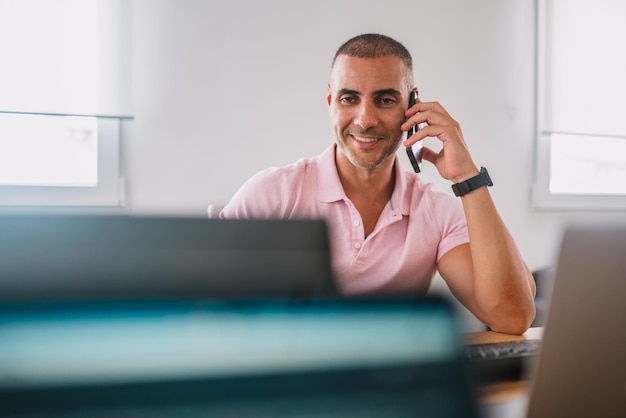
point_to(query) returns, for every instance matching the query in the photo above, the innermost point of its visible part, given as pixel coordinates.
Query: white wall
(224, 89)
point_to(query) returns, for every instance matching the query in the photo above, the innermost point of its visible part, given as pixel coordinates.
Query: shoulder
(267, 193)
(286, 176)
(419, 193)
(432, 206)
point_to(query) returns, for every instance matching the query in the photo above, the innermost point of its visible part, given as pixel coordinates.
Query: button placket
(357, 229)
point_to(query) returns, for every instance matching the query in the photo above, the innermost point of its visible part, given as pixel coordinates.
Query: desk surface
(491, 337)
(502, 391)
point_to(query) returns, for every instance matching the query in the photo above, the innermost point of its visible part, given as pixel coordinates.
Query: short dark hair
(374, 45)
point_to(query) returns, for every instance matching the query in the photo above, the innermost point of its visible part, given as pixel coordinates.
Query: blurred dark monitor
(335, 357)
(112, 257)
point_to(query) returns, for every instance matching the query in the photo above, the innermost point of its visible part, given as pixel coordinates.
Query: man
(390, 231)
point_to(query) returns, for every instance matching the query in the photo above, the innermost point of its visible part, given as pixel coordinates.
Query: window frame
(541, 196)
(109, 191)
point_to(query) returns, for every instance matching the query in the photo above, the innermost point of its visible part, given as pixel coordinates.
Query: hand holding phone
(415, 151)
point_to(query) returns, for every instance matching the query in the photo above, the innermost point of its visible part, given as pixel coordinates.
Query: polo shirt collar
(329, 188)
(400, 199)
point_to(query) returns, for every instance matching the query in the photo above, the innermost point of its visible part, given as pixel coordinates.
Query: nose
(366, 116)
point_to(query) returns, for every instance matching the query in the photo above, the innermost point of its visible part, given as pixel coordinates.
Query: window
(59, 161)
(65, 83)
(581, 105)
(37, 150)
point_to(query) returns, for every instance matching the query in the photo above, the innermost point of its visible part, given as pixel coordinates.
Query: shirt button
(356, 222)
(357, 245)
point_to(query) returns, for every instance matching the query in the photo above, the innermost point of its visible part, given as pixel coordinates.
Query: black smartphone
(415, 151)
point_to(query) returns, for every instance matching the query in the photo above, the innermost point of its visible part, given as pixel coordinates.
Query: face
(367, 98)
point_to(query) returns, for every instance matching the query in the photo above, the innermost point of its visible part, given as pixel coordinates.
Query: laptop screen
(106, 257)
(325, 357)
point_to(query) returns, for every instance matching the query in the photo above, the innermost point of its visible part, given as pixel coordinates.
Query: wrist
(465, 176)
(475, 182)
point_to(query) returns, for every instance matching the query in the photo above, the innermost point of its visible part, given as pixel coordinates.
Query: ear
(328, 96)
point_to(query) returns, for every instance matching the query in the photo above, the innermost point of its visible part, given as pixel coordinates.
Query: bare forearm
(503, 287)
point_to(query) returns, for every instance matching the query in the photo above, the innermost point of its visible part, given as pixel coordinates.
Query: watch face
(485, 175)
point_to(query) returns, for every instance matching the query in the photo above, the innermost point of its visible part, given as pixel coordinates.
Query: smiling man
(389, 230)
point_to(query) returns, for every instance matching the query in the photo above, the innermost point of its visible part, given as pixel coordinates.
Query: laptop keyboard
(500, 361)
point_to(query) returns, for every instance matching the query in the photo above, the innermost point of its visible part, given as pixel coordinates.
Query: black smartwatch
(476, 182)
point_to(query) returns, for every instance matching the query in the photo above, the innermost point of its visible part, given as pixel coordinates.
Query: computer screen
(104, 257)
(324, 357)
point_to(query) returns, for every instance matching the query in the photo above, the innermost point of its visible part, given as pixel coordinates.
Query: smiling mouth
(365, 140)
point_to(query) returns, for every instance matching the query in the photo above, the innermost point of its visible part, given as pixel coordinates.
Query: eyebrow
(347, 91)
(380, 92)
(390, 91)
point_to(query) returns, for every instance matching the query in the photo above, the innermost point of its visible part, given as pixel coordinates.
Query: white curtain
(65, 57)
(585, 58)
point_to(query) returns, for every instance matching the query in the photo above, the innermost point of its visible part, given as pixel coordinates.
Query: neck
(374, 184)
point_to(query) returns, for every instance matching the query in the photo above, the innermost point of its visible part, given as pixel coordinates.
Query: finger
(429, 110)
(429, 155)
(426, 130)
(413, 120)
(412, 110)
(417, 136)
(422, 107)
(437, 123)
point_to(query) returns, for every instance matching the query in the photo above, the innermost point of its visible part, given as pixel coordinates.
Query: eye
(348, 99)
(387, 101)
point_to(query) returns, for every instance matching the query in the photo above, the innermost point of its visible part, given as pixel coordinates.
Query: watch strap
(476, 182)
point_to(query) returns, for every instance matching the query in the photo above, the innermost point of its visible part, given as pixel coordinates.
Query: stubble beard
(367, 164)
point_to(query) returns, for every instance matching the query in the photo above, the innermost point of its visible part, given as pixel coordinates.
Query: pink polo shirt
(419, 224)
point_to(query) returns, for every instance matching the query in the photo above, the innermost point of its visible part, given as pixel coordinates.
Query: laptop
(321, 357)
(91, 257)
(580, 369)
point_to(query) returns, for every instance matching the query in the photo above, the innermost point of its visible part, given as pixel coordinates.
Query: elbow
(511, 327)
(512, 319)
(513, 312)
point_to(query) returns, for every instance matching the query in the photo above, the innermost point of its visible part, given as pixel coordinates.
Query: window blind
(585, 67)
(65, 57)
